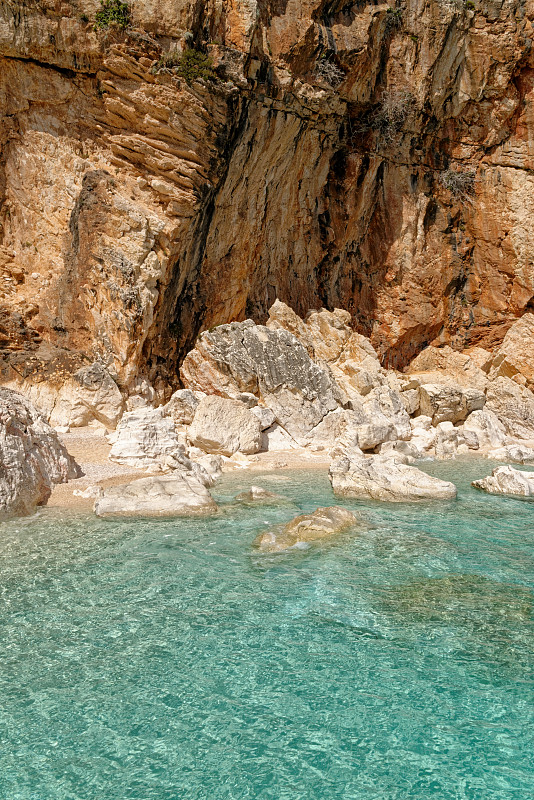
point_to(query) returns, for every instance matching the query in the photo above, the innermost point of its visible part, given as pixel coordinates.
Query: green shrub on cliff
(191, 65)
(112, 12)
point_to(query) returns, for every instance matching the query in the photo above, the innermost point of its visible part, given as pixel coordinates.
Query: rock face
(320, 524)
(179, 494)
(32, 459)
(507, 480)
(338, 157)
(385, 478)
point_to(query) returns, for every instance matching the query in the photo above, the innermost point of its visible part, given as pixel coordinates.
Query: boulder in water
(385, 478)
(320, 524)
(179, 494)
(507, 480)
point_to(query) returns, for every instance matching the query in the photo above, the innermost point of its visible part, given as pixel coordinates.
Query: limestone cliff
(372, 157)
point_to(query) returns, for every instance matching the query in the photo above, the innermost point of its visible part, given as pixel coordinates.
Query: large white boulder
(225, 426)
(385, 478)
(182, 406)
(146, 439)
(489, 431)
(507, 480)
(179, 494)
(32, 458)
(273, 365)
(516, 453)
(449, 402)
(385, 403)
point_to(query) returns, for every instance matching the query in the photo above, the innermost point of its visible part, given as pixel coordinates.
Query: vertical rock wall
(372, 157)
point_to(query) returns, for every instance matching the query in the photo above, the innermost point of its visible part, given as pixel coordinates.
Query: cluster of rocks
(315, 384)
(311, 385)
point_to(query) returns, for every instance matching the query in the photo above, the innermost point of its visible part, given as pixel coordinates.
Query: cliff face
(371, 157)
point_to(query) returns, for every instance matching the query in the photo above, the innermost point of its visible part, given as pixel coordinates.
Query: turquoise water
(168, 659)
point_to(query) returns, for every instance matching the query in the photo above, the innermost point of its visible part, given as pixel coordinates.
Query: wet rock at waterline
(179, 494)
(385, 478)
(507, 480)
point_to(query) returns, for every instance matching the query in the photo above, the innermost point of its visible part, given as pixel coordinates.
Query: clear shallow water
(168, 659)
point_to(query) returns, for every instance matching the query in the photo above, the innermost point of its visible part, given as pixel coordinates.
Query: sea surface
(159, 660)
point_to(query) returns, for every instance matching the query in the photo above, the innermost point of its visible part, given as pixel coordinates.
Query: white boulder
(489, 431)
(91, 394)
(182, 406)
(146, 438)
(225, 427)
(513, 405)
(449, 402)
(507, 480)
(179, 494)
(517, 453)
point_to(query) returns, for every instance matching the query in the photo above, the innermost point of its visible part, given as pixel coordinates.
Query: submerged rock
(306, 528)
(256, 494)
(507, 480)
(385, 478)
(179, 494)
(32, 458)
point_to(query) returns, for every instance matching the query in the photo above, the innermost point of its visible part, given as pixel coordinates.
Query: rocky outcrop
(385, 478)
(179, 494)
(361, 157)
(32, 459)
(272, 365)
(306, 528)
(507, 480)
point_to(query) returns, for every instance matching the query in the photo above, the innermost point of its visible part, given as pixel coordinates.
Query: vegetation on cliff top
(112, 12)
